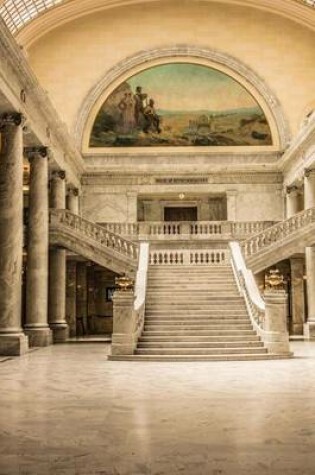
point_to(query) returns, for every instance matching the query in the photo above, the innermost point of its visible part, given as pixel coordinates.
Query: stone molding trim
(102, 179)
(145, 59)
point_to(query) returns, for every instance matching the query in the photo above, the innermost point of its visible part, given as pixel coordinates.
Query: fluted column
(36, 326)
(309, 202)
(12, 339)
(73, 201)
(57, 268)
(292, 201)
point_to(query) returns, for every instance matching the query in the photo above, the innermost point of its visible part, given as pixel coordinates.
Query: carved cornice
(40, 113)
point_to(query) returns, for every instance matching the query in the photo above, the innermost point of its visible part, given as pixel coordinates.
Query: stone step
(209, 297)
(221, 313)
(195, 327)
(176, 307)
(199, 344)
(192, 318)
(197, 358)
(195, 332)
(195, 321)
(198, 338)
(215, 299)
(210, 291)
(180, 268)
(199, 351)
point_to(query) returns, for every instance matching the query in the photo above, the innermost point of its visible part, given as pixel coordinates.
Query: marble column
(71, 297)
(297, 295)
(292, 201)
(13, 342)
(57, 268)
(309, 202)
(36, 326)
(73, 200)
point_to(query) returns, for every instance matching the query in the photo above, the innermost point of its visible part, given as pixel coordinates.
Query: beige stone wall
(245, 202)
(70, 60)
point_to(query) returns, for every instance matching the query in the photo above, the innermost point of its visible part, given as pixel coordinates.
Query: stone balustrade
(277, 233)
(193, 257)
(92, 241)
(188, 230)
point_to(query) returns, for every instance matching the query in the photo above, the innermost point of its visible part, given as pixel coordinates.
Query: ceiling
(19, 13)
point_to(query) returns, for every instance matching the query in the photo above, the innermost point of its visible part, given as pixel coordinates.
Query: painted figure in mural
(140, 99)
(127, 109)
(152, 120)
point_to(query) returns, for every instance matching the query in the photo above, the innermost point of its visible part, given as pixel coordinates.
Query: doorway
(180, 213)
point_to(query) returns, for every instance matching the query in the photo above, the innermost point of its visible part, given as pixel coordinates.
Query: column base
(297, 329)
(39, 336)
(60, 332)
(309, 330)
(13, 345)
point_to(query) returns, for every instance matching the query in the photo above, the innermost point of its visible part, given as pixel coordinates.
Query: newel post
(277, 339)
(123, 324)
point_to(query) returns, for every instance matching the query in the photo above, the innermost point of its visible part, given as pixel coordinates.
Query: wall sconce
(181, 196)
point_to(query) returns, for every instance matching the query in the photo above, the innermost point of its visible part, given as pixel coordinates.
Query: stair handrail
(92, 230)
(248, 287)
(277, 232)
(141, 289)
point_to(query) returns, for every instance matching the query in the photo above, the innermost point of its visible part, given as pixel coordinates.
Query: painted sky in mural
(180, 104)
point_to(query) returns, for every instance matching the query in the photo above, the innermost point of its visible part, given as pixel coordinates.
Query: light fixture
(181, 196)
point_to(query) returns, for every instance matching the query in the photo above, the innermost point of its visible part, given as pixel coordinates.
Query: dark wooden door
(180, 213)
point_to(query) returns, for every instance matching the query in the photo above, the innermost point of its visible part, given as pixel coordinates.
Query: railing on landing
(187, 230)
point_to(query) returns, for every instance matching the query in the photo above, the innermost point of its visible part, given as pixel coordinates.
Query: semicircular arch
(143, 60)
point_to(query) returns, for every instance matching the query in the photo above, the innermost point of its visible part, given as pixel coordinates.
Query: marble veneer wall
(104, 200)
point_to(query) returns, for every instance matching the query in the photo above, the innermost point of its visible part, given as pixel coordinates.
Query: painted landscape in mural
(180, 104)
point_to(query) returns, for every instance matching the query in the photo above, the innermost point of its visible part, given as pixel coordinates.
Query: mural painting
(180, 104)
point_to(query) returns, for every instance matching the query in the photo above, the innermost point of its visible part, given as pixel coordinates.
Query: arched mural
(180, 104)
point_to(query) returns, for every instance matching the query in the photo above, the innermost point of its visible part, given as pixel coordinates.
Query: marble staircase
(196, 313)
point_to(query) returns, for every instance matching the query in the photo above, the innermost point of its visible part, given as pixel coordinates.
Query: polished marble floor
(66, 410)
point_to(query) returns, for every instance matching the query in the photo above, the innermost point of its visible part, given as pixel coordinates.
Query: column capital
(291, 189)
(12, 118)
(309, 172)
(33, 152)
(73, 191)
(58, 174)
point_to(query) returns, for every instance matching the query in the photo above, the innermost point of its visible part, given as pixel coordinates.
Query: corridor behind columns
(66, 410)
